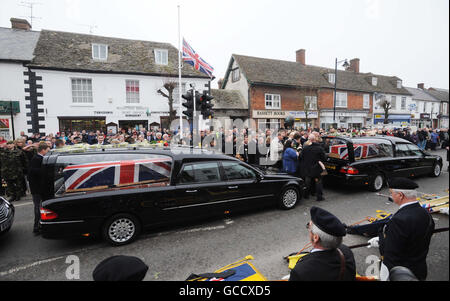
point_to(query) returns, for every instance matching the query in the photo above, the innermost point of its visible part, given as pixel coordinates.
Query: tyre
(121, 229)
(437, 168)
(289, 198)
(377, 183)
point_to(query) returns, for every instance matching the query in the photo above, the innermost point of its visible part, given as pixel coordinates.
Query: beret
(402, 183)
(120, 268)
(327, 222)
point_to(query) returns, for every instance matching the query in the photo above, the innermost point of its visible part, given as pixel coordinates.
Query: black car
(6, 215)
(117, 193)
(370, 161)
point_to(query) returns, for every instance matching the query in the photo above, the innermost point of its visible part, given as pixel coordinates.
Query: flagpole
(180, 90)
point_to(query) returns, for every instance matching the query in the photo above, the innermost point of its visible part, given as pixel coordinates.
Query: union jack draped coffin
(192, 58)
(363, 150)
(116, 173)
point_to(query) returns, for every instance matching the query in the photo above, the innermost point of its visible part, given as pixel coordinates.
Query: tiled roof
(420, 94)
(287, 73)
(228, 99)
(17, 44)
(73, 51)
(441, 94)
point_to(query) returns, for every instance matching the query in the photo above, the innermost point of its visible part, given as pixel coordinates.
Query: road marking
(24, 267)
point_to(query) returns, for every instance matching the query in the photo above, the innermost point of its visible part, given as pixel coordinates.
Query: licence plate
(329, 166)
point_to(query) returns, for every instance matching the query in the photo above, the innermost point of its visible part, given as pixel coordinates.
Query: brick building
(275, 89)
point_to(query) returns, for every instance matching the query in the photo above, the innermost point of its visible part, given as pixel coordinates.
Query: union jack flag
(340, 150)
(115, 173)
(365, 150)
(192, 58)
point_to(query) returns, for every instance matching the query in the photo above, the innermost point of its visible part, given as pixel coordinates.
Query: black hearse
(117, 193)
(370, 161)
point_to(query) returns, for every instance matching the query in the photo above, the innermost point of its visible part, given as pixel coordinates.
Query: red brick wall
(291, 99)
(355, 100)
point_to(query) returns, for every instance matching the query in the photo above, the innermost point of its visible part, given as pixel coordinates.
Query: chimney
(300, 56)
(354, 66)
(421, 86)
(20, 24)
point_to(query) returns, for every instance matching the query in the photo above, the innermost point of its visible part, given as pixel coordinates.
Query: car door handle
(233, 187)
(191, 191)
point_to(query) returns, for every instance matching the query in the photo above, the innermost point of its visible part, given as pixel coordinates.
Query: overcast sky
(406, 38)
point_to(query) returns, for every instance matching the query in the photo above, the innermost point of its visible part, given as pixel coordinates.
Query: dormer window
(162, 56)
(100, 52)
(331, 78)
(374, 81)
(399, 84)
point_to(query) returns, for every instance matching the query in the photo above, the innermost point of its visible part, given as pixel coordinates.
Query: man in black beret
(405, 238)
(120, 268)
(329, 260)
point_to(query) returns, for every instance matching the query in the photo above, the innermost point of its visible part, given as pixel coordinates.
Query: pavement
(173, 253)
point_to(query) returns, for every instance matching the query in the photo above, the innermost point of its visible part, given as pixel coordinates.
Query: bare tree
(385, 104)
(169, 87)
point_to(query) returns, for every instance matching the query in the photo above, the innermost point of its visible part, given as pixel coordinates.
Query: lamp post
(345, 65)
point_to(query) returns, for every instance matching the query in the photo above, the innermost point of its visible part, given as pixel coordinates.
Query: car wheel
(436, 170)
(121, 229)
(377, 183)
(289, 198)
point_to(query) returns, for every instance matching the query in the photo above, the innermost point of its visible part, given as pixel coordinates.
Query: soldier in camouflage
(12, 163)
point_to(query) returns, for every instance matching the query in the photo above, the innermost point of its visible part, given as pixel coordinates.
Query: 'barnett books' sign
(283, 114)
(5, 107)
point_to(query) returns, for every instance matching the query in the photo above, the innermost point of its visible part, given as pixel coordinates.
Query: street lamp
(345, 65)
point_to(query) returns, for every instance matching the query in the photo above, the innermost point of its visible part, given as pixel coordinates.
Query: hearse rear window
(363, 148)
(87, 173)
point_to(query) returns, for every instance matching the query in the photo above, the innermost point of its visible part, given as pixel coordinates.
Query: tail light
(47, 214)
(349, 170)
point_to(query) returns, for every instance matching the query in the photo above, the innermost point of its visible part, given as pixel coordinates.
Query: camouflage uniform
(12, 166)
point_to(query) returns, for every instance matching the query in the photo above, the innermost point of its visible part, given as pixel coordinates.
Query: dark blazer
(324, 266)
(309, 158)
(36, 175)
(405, 239)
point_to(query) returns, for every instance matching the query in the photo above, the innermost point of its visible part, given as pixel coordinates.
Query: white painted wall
(12, 87)
(241, 84)
(109, 94)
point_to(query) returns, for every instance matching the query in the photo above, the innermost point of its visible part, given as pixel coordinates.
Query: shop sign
(5, 107)
(283, 114)
(425, 116)
(103, 112)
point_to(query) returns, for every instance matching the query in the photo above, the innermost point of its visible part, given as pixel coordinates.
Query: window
(399, 84)
(200, 173)
(366, 101)
(374, 81)
(403, 104)
(417, 106)
(273, 101)
(444, 108)
(414, 150)
(236, 171)
(402, 150)
(81, 90)
(341, 99)
(393, 102)
(161, 56)
(310, 103)
(235, 75)
(331, 78)
(132, 91)
(63, 178)
(100, 52)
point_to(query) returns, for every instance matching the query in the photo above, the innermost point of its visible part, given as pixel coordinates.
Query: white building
(87, 82)
(16, 50)
(426, 108)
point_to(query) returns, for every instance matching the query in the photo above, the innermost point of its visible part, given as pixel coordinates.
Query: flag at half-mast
(192, 58)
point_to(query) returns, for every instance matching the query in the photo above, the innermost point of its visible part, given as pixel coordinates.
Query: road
(174, 253)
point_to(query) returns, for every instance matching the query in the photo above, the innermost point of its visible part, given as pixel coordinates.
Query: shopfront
(347, 120)
(72, 124)
(8, 109)
(272, 119)
(400, 120)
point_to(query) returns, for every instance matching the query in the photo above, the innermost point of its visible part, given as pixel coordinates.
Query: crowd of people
(280, 149)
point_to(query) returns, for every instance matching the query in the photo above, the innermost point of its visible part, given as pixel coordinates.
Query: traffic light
(189, 104)
(206, 106)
